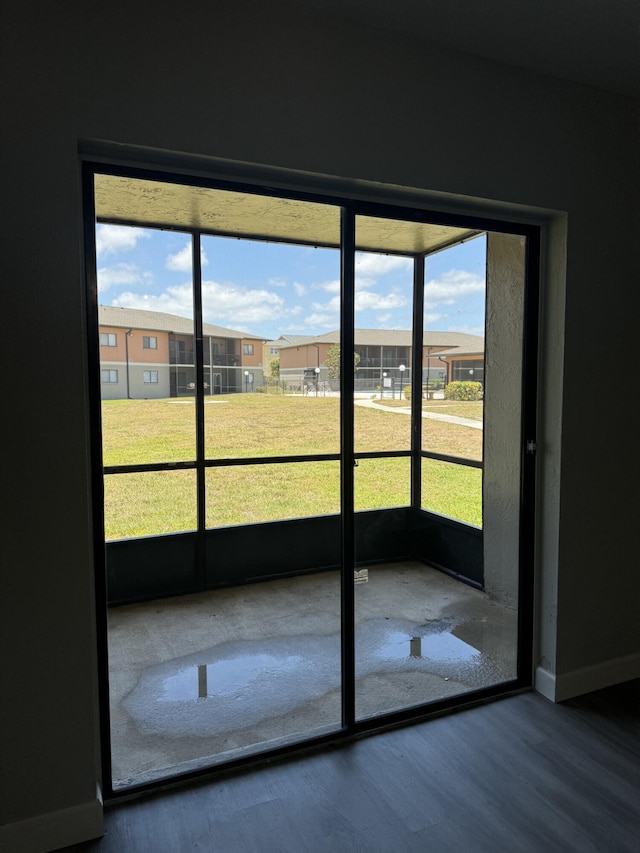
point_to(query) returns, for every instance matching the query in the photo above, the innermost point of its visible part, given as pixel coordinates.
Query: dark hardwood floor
(519, 774)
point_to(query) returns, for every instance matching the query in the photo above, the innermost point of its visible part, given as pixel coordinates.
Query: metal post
(416, 394)
(347, 462)
(196, 260)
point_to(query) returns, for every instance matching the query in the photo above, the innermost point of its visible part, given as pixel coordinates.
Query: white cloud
(320, 320)
(299, 289)
(367, 299)
(233, 303)
(433, 318)
(328, 286)
(175, 300)
(278, 282)
(122, 274)
(450, 286)
(469, 330)
(181, 261)
(118, 238)
(368, 267)
(372, 265)
(333, 305)
(223, 304)
(383, 318)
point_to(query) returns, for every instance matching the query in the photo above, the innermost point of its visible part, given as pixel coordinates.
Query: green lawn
(253, 425)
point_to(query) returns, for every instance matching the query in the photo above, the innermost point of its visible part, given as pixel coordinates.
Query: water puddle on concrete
(242, 683)
(397, 645)
(225, 677)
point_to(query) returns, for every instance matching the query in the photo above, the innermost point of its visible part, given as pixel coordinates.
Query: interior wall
(262, 83)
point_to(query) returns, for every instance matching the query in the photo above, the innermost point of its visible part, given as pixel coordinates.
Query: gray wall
(140, 389)
(251, 82)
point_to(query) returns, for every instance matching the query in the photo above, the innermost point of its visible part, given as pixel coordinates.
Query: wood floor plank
(519, 775)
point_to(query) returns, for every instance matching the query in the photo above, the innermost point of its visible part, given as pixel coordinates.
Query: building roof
(462, 351)
(293, 340)
(456, 341)
(157, 321)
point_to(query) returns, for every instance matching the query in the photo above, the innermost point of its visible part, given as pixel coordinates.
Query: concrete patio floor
(198, 679)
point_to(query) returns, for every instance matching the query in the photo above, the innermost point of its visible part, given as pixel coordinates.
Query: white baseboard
(53, 830)
(545, 683)
(557, 688)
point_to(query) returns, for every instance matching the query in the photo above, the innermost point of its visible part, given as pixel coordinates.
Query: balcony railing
(229, 360)
(386, 363)
(187, 357)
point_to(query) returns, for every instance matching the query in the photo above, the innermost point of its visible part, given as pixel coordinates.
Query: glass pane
(136, 432)
(382, 423)
(382, 483)
(383, 346)
(250, 494)
(272, 390)
(187, 689)
(149, 504)
(199, 679)
(147, 363)
(244, 425)
(453, 352)
(452, 490)
(422, 636)
(453, 428)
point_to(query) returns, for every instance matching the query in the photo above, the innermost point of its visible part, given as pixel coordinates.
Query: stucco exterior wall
(502, 414)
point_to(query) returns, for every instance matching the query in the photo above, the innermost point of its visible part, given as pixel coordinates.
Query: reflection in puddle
(242, 683)
(225, 676)
(396, 645)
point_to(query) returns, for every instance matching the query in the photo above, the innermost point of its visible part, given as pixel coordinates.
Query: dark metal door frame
(349, 209)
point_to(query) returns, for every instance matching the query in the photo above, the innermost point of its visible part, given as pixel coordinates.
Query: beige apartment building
(151, 354)
(385, 357)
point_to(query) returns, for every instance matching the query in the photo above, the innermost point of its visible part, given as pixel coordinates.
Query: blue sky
(269, 289)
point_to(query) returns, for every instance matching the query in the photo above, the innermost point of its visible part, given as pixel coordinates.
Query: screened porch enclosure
(282, 568)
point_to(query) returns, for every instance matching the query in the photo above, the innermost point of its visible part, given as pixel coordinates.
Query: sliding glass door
(303, 465)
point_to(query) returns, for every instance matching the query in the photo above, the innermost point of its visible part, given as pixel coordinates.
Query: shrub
(407, 392)
(463, 391)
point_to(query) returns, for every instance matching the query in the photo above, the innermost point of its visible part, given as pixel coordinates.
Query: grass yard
(252, 425)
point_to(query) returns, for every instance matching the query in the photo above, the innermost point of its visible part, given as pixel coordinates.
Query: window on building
(247, 349)
(274, 351)
(151, 376)
(108, 339)
(109, 377)
(149, 342)
(470, 370)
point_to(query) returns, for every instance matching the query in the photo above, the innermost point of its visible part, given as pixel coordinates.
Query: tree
(275, 368)
(332, 361)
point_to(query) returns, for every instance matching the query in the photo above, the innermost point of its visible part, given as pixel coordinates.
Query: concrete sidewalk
(434, 416)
